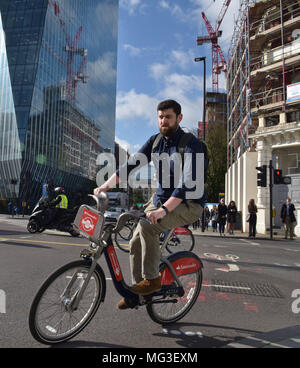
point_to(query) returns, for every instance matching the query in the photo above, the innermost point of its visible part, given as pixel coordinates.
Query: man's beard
(169, 131)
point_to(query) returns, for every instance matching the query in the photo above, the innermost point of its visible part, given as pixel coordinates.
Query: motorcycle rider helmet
(59, 190)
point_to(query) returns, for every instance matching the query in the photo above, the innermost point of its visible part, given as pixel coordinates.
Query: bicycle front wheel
(172, 308)
(182, 239)
(52, 319)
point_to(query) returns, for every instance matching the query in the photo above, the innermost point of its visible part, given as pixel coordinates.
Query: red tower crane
(71, 49)
(217, 53)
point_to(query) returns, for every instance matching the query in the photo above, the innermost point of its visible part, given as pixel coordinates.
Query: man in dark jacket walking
(288, 217)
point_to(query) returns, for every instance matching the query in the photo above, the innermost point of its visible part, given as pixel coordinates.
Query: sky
(156, 50)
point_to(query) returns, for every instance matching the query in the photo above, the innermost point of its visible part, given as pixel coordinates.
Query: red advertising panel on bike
(88, 222)
(114, 262)
(182, 266)
(181, 231)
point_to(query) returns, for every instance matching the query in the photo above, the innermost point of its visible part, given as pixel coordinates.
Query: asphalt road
(248, 288)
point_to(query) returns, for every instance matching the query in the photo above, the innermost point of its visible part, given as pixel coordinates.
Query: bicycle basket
(89, 223)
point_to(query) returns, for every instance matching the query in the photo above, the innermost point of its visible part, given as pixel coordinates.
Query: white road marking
(229, 286)
(232, 267)
(249, 242)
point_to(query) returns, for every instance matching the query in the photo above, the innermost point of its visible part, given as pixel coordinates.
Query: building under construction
(263, 101)
(216, 112)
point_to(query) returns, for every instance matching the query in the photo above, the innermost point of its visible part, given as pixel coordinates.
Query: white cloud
(132, 105)
(132, 5)
(158, 70)
(133, 51)
(181, 84)
(127, 146)
(183, 58)
(102, 70)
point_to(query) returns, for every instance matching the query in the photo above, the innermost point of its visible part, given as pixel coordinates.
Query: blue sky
(156, 51)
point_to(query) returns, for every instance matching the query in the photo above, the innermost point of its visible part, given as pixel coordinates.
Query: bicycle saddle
(127, 216)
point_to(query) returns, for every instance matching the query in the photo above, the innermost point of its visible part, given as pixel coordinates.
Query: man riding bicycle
(178, 200)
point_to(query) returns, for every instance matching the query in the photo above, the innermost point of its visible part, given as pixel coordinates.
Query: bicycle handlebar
(101, 200)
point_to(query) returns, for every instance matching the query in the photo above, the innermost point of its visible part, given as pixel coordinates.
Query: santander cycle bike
(69, 298)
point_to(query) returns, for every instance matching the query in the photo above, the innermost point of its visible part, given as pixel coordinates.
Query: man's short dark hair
(169, 104)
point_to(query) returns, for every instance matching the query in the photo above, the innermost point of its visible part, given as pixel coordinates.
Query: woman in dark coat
(231, 216)
(252, 209)
(222, 212)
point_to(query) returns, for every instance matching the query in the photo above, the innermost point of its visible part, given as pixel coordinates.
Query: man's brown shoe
(146, 287)
(122, 304)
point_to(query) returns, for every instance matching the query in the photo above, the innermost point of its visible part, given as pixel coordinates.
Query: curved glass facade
(59, 60)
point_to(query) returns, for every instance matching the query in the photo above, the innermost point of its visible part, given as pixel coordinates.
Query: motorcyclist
(63, 203)
(55, 204)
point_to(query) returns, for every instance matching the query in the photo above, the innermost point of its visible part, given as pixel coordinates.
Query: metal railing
(272, 17)
(274, 55)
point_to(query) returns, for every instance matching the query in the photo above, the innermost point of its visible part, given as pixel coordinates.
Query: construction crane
(72, 50)
(213, 35)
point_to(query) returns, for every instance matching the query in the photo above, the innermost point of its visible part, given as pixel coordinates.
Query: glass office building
(58, 64)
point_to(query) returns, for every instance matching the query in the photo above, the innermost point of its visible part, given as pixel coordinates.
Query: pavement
(278, 234)
(288, 337)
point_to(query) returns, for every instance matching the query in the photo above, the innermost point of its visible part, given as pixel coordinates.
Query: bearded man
(176, 203)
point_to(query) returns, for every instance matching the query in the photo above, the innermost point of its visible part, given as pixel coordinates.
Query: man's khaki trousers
(145, 252)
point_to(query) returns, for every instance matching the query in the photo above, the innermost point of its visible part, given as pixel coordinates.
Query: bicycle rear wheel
(125, 234)
(52, 319)
(182, 239)
(170, 312)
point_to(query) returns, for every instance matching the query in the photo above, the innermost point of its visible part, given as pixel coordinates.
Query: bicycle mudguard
(183, 263)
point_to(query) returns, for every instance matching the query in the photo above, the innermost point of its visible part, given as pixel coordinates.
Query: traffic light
(262, 176)
(278, 176)
(279, 179)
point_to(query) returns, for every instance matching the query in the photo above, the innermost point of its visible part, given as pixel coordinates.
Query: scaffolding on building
(263, 57)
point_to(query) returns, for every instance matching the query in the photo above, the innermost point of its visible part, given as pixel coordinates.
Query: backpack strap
(156, 142)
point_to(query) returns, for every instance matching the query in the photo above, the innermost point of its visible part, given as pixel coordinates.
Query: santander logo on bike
(88, 222)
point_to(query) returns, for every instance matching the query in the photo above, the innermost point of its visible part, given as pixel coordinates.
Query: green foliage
(216, 140)
(138, 197)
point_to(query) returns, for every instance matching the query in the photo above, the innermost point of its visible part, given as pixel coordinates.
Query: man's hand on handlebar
(100, 190)
(155, 216)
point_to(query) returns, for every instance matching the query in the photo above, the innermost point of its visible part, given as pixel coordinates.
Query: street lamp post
(203, 58)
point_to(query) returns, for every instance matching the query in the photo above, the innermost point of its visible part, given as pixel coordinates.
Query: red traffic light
(278, 177)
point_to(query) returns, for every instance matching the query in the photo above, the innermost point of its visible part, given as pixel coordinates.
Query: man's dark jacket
(283, 213)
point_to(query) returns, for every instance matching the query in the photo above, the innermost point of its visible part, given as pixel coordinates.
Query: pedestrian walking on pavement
(231, 217)
(206, 217)
(214, 217)
(252, 209)
(222, 212)
(288, 218)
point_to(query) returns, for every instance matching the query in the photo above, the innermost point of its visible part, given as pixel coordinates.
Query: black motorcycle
(62, 221)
